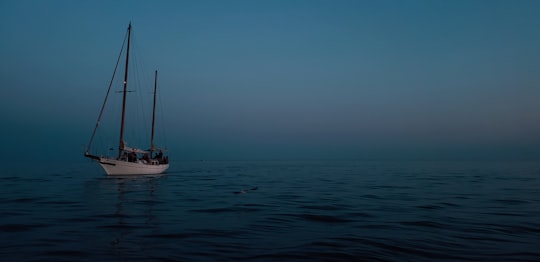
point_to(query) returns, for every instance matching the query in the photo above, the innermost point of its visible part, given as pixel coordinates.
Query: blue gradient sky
(283, 79)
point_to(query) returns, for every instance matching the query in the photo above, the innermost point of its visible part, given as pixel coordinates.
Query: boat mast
(121, 145)
(105, 100)
(152, 147)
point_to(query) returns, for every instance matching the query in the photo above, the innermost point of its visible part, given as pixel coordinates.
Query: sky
(280, 80)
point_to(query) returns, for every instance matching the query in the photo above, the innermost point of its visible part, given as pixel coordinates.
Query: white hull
(119, 167)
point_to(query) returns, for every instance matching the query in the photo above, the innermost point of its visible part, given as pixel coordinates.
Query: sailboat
(130, 160)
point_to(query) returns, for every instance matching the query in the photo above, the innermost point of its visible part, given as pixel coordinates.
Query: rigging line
(141, 82)
(106, 96)
(144, 84)
(162, 121)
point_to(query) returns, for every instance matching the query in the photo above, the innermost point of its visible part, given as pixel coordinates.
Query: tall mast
(121, 145)
(152, 147)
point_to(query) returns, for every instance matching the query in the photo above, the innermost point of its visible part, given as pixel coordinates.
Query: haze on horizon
(273, 80)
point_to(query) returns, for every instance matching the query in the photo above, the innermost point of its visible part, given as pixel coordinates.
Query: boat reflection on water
(125, 209)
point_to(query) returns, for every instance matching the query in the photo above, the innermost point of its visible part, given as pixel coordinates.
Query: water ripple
(299, 211)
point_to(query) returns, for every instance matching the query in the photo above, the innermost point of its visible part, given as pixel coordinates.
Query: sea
(273, 211)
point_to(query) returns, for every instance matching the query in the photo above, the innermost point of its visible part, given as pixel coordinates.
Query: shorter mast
(152, 147)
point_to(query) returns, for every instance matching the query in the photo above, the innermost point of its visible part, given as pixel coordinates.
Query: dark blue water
(335, 211)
